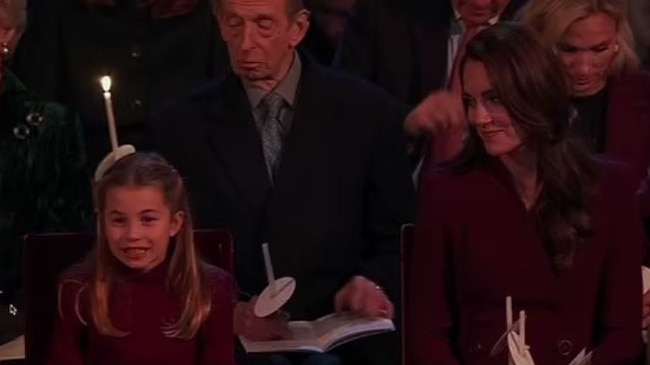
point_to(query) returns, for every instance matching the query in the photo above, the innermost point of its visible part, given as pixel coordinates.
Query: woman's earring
(4, 49)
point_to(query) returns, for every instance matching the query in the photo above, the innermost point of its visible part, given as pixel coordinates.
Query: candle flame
(106, 83)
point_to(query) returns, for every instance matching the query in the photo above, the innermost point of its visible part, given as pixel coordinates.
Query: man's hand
(365, 298)
(441, 111)
(247, 324)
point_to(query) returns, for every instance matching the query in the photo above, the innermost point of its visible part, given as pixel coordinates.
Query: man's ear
(299, 28)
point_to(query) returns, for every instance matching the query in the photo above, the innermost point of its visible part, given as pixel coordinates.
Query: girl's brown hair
(528, 80)
(185, 277)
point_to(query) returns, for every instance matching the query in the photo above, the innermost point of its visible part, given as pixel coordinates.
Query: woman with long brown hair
(524, 211)
(143, 296)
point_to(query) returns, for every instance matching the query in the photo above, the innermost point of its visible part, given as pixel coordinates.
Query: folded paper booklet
(321, 335)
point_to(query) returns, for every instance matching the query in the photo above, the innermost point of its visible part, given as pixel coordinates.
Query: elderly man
(309, 160)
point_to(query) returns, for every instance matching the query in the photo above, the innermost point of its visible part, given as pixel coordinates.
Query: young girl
(143, 296)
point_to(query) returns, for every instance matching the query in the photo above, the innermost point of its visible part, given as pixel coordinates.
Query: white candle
(269, 268)
(110, 116)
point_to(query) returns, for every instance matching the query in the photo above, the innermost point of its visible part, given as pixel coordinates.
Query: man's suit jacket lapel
(312, 132)
(303, 138)
(236, 143)
(306, 145)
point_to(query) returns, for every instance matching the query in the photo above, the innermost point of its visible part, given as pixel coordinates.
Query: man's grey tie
(272, 131)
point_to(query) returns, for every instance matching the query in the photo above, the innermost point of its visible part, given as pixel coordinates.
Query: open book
(323, 334)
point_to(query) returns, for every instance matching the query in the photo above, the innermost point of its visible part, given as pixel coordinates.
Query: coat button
(564, 347)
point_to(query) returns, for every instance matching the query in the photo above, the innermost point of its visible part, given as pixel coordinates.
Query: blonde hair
(186, 276)
(13, 15)
(552, 19)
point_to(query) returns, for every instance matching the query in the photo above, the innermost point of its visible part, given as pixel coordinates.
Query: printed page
(337, 329)
(303, 337)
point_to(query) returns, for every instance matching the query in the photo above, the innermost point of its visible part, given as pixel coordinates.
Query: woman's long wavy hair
(528, 79)
(552, 19)
(185, 277)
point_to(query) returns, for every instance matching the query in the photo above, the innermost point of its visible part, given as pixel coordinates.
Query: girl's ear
(177, 220)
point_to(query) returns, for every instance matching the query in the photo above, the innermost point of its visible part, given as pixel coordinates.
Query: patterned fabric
(44, 184)
(272, 131)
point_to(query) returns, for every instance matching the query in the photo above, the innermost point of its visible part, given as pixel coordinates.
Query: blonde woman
(593, 40)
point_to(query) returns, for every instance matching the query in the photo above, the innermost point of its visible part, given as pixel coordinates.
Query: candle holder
(277, 293)
(111, 158)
